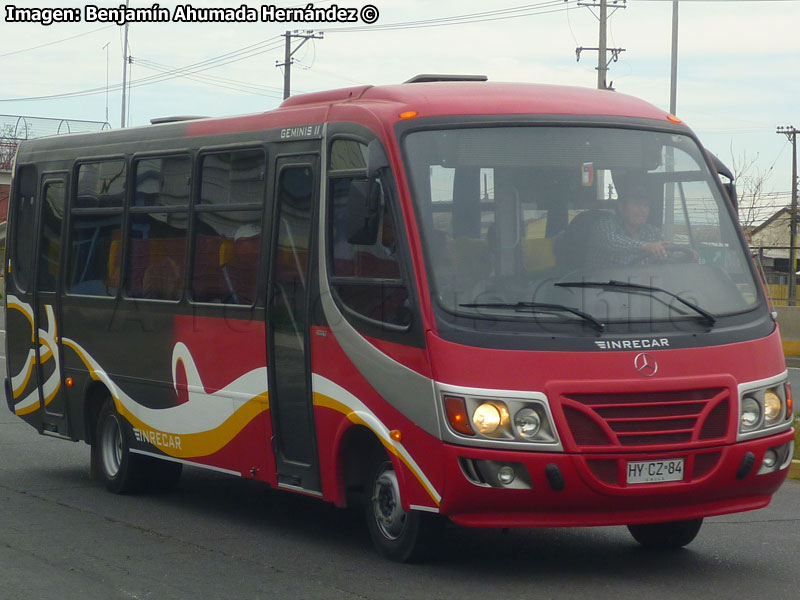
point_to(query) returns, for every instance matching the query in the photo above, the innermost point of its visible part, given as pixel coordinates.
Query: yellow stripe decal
(200, 427)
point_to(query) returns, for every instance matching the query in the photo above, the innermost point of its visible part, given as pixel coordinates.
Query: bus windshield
(553, 224)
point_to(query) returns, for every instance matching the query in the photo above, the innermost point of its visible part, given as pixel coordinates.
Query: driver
(626, 238)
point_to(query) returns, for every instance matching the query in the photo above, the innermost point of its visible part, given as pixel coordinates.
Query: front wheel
(398, 535)
(666, 536)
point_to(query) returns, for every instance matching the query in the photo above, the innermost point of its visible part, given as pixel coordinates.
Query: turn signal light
(457, 415)
(788, 400)
(409, 114)
(69, 382)
(396, 435)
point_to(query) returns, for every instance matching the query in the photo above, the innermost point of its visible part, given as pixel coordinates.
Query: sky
(738, 61)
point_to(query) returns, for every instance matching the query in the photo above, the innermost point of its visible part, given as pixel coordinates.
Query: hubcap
(389, 513)
(111, 446)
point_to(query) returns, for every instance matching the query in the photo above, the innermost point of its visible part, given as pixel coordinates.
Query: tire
(121, 471)
(666, 536)
(396, 534)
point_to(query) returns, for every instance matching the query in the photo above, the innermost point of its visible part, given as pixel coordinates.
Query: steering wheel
(679, 253)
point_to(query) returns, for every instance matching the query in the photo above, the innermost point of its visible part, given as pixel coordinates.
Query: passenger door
(46, 290)
(32, 319)
(20, 348)
(291, 277)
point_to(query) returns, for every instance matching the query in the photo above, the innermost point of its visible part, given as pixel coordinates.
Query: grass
(797, 437)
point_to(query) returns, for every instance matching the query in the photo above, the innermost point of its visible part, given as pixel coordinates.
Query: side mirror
(724, 171)
(363, 211)
(377, 159)
(730, 188)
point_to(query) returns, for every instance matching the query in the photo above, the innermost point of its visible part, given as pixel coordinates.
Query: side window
(367, 278)
(95, 232)
(228, 227)
(159, 216)
(50, 243)
(23, 228)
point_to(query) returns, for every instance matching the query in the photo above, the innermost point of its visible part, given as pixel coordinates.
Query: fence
(775, 265)
(15, 128)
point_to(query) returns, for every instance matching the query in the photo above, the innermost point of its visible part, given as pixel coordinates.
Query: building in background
(769, 245)
(770, 241)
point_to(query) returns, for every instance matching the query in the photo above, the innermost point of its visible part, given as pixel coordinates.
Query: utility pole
(669, 191)
(602, 48)
(673, 82)
(602, 64)
(124, 66)
(106, 49)
(288, 53)
(791, 132)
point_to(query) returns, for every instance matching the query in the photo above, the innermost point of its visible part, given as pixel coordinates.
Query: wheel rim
(386, 507)
(111, 446)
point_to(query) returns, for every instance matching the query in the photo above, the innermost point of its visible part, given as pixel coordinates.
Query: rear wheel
(666, 536)
(121, 471)
(397, 534)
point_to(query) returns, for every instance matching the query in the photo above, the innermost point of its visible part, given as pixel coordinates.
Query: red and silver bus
(399, 294)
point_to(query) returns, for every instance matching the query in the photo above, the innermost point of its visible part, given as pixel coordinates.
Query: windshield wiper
(622, 285)
(539, 307)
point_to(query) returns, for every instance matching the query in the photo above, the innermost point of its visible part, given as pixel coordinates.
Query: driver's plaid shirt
(611, 246)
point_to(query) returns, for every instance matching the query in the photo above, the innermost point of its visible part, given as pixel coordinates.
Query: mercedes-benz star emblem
(645, 364)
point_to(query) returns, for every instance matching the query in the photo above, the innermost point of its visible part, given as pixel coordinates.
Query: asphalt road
(215, 537)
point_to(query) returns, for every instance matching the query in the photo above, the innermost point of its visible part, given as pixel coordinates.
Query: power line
(55, 42)
(525, 10)
(263, 46)
(211, 63)
(222, 82)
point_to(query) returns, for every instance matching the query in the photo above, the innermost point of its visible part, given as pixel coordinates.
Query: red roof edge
(326, 97)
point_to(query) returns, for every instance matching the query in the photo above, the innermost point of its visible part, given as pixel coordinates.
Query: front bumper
(594, 491)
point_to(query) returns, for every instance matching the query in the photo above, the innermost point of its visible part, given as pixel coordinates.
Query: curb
(792, 361)
(791, 347)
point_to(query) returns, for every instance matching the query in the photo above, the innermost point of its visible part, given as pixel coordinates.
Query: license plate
(654, 471)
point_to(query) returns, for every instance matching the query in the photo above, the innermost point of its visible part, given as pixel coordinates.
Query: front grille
(647, 419)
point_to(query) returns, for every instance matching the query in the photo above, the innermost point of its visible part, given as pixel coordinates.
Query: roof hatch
(429, 77)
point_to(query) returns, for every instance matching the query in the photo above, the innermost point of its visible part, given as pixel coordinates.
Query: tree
(754, 205)
(8, 146)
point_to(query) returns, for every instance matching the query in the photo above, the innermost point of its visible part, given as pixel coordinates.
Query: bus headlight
(490, 417)
(765, 408)
(773, 406)
(751, 413)
(527, 423)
